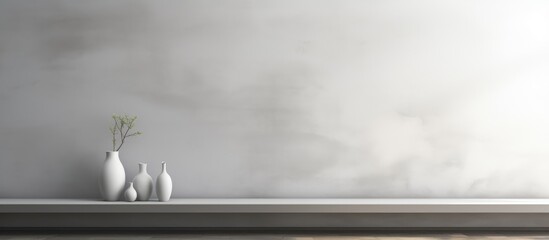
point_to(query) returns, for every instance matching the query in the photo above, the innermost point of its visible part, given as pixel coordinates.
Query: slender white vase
(164, 185)
(113, 178)
(143, 183)
(130, 194)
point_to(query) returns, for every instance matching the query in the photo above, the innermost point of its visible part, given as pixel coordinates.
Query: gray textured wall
(279, 98)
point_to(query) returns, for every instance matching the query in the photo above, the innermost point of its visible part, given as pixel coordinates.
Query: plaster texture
(278, 98)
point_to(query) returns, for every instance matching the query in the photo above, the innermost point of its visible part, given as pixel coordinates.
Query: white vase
(113, 178)
(143, 183)
(164, 185)
(130, 194)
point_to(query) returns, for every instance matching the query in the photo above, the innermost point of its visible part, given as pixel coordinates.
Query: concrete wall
(279, 98)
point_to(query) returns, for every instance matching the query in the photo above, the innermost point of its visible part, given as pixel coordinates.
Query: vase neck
(142, 167)
(163, 166)
(112, 155)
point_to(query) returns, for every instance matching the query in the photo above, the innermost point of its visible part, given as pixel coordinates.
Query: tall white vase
(164, 185)
(113, 178)
(143, 183)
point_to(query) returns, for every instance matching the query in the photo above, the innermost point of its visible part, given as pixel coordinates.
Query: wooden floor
(277, 236)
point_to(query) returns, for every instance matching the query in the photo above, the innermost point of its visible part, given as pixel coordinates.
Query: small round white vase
(143, 183)
(130, 194)
(164, 185)
(113, 178)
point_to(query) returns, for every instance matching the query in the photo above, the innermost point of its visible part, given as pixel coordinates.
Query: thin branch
(133, 134)
(124, 138)
(120, 128)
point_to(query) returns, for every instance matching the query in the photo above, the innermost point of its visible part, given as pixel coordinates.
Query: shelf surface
(277, 205)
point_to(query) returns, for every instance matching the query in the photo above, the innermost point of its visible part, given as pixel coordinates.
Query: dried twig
(122, 126)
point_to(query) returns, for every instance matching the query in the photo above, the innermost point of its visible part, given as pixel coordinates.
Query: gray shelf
(277, 213)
